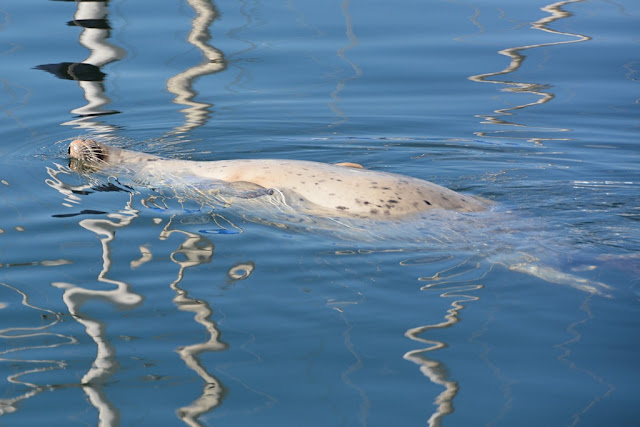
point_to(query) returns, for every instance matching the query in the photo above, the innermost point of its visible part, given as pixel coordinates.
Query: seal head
(86, 155)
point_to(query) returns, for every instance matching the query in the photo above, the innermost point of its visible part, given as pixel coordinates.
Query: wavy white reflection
(197, 113)
(194, 251)
(450, 283)
(105, 364)
(541, 91)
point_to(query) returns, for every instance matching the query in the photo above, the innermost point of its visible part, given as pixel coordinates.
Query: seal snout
(86, 155)
(87, 150)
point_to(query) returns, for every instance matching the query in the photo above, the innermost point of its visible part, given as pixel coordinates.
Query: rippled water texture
(134, 300)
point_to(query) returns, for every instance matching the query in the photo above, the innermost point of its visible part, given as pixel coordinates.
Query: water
(120, 310)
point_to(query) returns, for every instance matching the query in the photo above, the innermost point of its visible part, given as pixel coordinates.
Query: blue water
(119, 308)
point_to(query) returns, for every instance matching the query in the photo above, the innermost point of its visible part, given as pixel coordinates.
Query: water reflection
(341, 307)
(91, 16)
(575, 336)
(194, 250)
(342, 54)
(541, 91)
(456, 283)
(105, 364)
(197, 113)
(52, 340)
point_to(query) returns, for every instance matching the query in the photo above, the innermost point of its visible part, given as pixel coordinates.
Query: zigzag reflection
(197, 113)
(449, 284)
(196, 250)
(539, 90)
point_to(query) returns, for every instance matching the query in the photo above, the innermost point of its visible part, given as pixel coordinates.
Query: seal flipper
(246, 190)
(223, 189)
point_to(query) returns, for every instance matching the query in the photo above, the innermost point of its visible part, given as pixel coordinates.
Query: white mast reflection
(452, 283)
(105, 364)
(432, 369)
(517, 59)
(197, 113)
(196, 250)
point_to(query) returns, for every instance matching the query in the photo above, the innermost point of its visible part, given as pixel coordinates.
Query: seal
(343, 190)
(346, 201)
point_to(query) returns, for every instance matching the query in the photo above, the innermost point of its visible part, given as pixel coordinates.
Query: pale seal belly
(324, 189)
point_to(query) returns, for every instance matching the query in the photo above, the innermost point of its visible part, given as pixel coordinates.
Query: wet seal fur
(338, 190)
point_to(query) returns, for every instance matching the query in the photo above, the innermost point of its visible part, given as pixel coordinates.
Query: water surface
(119, 308)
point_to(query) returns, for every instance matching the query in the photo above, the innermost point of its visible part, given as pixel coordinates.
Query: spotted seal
(347, 201)
(343, 190)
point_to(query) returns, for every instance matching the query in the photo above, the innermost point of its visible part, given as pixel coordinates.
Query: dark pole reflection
(541, 91)
(91, 16)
